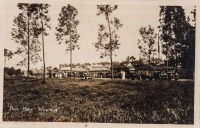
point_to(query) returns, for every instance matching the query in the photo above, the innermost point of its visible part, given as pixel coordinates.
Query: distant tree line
(12, 71)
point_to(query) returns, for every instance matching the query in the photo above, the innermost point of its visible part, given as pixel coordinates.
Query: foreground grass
(99, 101)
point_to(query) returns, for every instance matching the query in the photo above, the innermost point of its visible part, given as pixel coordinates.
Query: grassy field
(107, 101)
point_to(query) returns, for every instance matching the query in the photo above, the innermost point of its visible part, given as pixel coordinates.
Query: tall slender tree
(24, 34)
(147, 44)
(67, 30)
(43, 25)
(108, 39)
(44, 22)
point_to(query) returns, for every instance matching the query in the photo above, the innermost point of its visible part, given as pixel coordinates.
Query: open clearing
(106, 101)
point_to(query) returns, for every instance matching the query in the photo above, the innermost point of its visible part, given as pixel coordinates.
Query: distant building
(98, 70)
(78, 69)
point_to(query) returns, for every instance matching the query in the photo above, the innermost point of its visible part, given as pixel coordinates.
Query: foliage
(8, 54)
(67, 29)
(188, 49)
(132, 58)
(178, 35)
(128, 60)
(12, 71)
(42, 14)
(173, 28)
(146, 45)
(24, 33)
(108, 39)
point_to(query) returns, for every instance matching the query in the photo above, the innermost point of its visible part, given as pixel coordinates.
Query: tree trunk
(28, 49)
(111, 61)
(111, 65)
(149, 54)
(70, 62)
(44, 79)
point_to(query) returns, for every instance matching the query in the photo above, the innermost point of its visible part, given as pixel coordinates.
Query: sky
(132, 15)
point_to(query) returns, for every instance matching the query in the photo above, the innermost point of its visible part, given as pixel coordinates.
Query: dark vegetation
(107, 101)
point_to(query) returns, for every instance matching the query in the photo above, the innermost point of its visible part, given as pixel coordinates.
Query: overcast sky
(132, 15)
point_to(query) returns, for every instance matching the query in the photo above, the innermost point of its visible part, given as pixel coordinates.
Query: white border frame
(108, 125)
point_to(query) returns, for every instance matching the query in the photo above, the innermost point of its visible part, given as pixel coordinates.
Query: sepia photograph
(91, 62)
